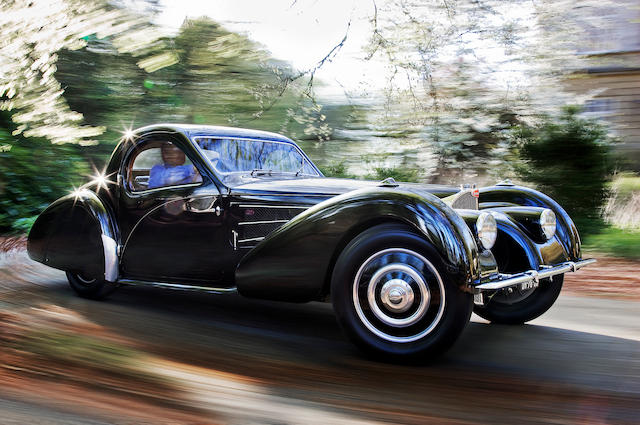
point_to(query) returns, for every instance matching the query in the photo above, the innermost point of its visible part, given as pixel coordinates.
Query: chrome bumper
(530, 278)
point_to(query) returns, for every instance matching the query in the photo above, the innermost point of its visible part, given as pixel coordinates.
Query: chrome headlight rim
(486, 230)
(548, 223)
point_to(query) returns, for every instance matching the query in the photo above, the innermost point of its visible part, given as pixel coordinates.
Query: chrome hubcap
(398, 295)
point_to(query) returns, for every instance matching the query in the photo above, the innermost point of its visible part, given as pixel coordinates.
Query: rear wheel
(90, 287)
(517, 307)
(392, 297)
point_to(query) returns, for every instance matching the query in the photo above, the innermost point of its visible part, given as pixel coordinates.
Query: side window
(160, 164)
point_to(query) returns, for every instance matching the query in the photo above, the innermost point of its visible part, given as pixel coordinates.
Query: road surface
(239, 361)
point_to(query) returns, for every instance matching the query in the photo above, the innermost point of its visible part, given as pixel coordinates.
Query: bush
(33, 173)
(569, 160)
(23, 225)
(336, 170)
(399, 174)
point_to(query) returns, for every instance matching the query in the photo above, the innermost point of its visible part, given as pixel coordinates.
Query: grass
(626, 184)
(614, 242)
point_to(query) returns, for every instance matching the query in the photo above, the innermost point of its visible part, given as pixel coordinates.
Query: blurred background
(546, 93)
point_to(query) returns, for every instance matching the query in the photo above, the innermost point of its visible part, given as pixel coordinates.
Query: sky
(301, 32)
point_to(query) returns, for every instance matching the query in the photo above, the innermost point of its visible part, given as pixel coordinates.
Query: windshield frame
(222, 176)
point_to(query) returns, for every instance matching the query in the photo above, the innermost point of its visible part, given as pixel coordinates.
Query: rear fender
(294, 262)
(76, 233)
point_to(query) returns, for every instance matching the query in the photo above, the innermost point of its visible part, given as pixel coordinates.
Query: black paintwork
(67, 235)
(210, 234)
(315, 238)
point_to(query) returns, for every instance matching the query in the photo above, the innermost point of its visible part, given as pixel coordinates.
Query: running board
(178, 286)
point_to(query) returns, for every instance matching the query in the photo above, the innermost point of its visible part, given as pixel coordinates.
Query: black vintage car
(226, 209)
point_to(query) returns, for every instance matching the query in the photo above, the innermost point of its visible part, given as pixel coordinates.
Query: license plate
(529, 285)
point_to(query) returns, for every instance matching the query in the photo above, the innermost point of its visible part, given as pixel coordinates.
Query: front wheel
(516, 306)
(90, 287)
(393, 299)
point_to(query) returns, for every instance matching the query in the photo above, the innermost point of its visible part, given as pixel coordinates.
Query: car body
(243, 210)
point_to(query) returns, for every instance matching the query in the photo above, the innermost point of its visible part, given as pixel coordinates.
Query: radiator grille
(465, 200)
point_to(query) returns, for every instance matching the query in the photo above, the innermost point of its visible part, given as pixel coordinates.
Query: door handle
(203, 205)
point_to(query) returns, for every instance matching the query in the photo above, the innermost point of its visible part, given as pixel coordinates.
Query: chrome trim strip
(261, 222)
(177, 286)
(270, 206)
(251, 239)
(505, 280)
(110, 248)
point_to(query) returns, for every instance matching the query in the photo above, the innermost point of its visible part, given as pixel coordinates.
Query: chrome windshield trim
(500, 281)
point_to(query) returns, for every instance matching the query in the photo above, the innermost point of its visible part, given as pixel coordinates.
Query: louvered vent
(259, 221)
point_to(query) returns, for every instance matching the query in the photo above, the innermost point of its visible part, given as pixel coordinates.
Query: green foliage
(568, 159)
(626, 185)
(32, 33)
(337, 170)
(212, 76)
(23, 225)
(614, 241)
(33, 173)
(399, 174)
(220, 78)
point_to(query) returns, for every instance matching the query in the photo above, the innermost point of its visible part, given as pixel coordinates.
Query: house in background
(611, 53)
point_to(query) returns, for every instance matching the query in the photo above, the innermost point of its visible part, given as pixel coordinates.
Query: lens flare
(100, 180)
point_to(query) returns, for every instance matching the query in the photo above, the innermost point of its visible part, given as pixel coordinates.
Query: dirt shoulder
(609, 277)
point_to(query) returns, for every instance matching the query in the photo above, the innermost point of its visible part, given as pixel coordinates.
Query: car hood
(325, 186)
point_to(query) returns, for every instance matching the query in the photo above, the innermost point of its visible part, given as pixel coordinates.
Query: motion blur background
(546, 93)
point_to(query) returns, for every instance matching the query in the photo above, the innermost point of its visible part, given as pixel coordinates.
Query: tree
(568, 159)
(31, 35)
(462, 73)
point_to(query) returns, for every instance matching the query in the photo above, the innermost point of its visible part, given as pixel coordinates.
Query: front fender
(566, 231)
(294, 263)
(76, 233)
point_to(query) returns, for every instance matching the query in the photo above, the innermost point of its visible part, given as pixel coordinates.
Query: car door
(172, 227)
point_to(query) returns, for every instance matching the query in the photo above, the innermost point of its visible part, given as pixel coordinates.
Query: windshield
(257, 157)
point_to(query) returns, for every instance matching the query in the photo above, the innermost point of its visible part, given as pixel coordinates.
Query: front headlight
(548, 223)
(487, 230)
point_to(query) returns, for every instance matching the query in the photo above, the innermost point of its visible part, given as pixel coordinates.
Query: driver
(172, 171)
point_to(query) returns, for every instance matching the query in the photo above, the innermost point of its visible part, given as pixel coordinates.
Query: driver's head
(172, 155)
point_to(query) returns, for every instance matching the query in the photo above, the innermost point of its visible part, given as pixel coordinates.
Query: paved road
(244, 361)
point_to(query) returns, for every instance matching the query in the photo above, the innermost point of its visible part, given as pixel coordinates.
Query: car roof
(191, 130)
